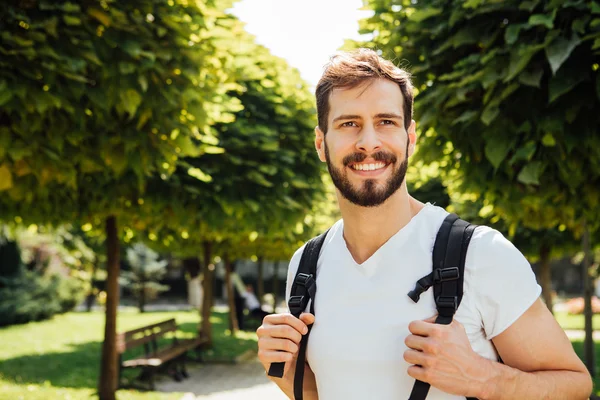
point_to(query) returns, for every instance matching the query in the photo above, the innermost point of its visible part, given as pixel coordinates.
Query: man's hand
(279, 338)
(443, 357)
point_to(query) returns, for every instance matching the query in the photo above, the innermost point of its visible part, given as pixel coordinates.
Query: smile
(368, 167)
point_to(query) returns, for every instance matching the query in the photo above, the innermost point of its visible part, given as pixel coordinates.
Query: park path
(245, 380)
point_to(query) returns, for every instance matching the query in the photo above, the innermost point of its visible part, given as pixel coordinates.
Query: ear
(320, 143)
(412, 137)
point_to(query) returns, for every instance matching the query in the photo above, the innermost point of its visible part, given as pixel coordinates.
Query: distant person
(368, 339)
(254, 306)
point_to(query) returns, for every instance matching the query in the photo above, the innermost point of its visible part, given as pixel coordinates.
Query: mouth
(370, 169)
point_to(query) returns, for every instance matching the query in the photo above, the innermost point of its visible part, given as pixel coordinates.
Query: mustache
(381, 156)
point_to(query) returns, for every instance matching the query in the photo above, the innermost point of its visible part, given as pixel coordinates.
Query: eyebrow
(380, 115)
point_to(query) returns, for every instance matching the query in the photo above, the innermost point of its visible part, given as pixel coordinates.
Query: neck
(366, 229)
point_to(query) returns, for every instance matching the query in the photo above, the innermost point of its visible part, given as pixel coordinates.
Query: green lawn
(569, 321)
(60, 358)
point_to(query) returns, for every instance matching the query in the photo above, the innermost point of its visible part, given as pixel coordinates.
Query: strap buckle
(308, 281)
(447, 305)
(445, 274)
(297, 304)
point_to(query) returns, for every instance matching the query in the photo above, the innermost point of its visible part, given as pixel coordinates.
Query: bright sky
(304, 32)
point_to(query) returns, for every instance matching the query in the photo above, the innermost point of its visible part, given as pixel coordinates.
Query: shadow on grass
(79, 367)
(578, 346)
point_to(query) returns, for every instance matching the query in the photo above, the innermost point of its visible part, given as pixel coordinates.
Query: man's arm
(278, 341)
(539, 360)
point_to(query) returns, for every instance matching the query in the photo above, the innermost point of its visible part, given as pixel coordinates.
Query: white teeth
(368, 167)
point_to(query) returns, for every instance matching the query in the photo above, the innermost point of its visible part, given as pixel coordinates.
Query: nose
(368, 140)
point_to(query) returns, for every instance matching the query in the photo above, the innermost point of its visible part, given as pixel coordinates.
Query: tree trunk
(260, 284)
(208, 285)
(546, 276)
(89, 300)
(233, 322)
(587, 298)
(276, 268)
(108, 372)
(142, 298)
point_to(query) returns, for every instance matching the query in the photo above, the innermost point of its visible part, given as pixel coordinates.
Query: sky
(304, 32)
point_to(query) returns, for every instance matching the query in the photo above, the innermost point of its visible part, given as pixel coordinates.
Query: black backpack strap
(303, 290)
(447, 277)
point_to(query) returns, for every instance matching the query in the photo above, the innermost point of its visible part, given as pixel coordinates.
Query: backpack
(449, 253)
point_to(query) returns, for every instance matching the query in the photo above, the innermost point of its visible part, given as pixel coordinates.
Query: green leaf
(299, 183)
(595, 7)
(559, 50)
(71, 21)
(531, 78)
(100, 16)
(5, 94)
(6, 181)
(423, 14)
(528, 5)
(543, 19)
(199, 174)
(497, 149)
(530, 174)
(563, 83)
(214, 150)
(524, 153)
(512, 33)
(519, 59)
(131, 100)
(490, 113)
(548, 140)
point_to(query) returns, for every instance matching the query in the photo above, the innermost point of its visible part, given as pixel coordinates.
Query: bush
(28, 296)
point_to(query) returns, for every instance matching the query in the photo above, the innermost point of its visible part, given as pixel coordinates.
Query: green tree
(146, 272)
(508, 97)
(96, 98)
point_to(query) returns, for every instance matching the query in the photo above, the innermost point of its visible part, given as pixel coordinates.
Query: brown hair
(350, 69)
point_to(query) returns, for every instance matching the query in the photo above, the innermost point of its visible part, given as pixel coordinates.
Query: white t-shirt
(362, 312)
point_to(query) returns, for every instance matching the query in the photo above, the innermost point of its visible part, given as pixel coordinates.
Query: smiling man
(368, 339)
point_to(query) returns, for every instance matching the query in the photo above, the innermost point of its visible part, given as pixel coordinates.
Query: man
(369, 340)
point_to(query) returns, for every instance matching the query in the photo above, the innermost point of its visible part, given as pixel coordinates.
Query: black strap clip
(297, 304)
(447, 305)
(445, 274)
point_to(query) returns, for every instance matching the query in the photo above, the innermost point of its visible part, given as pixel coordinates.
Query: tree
(94, 100)
(526, 68)
(146, 272)
(261, 183)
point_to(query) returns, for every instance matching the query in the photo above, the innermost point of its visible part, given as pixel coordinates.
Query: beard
(369, 194)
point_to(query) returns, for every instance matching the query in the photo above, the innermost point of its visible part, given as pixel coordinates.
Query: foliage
(145, 273)
(265, 180)
(98, 96)
(508, 93)
(59, 358)
(28, 296)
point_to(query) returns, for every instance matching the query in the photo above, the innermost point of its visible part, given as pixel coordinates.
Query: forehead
(369, 98)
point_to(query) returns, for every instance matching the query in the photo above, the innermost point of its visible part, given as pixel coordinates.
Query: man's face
(367, 147)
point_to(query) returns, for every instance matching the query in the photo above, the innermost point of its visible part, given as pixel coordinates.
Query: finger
(421, 328)
(307, 318)
(279, 331)
(418, 373)
(416, 357)
(286, 319)
(431, 319)
(273, 356)
(286, 345)
(415, 342)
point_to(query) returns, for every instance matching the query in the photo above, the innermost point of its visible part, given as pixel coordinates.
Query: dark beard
(368, 195)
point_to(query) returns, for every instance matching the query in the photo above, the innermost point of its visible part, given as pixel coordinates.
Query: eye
(348, 124)
(387, 122)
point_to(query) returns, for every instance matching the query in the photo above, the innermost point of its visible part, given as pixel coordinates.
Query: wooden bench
(156, 355)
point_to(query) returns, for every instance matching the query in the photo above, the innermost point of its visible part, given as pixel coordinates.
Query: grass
(575, 322)
(60, 358)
